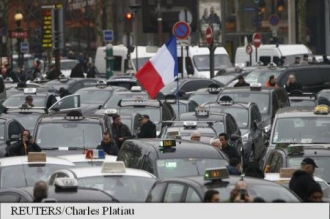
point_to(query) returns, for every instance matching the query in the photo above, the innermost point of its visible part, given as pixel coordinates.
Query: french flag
(160, 69)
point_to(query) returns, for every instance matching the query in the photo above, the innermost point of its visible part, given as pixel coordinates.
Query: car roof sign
(167, 143)
(216, 173)
(66, 183)
(110, 111)
(113, 167)
(202, 111)
(226, 101)
(136, 88)
(321, 110)
(188, 124)
(101, 84)
(213, 89)
(37, 157)
(287, 172)
(95, 154)
(30, 90)
(62, 78)
(255, 86)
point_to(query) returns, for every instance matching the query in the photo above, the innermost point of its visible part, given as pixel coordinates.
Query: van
(197, 63)
(272, 53)
(144, 53)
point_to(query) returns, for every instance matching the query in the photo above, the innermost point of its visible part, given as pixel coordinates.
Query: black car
(65, 190)
(291, 156)
(186, 87)
(222, 122)
(191, 189)
(125, 80)
(70, 133)
(93, 98)
(70, 84)
(167, 158)
(10, 131)
(269, 100)
(249, 120)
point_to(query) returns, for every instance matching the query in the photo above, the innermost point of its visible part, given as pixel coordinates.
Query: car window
(156, 194)
(14, 128)
(309, 77)
(173, 193)
(9, 198)
(192, 196)
(131, 158)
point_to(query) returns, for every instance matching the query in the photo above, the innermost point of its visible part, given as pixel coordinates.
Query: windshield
(261, 76)
(241, 115)
(153, 113)
(267, 192)
(140, 62)
(28, 121)
(27, 175)
(302, 103)
(170, 168)
(71, 135)
(225, 79)
(93, 96)
(202, 62)
(170, 87)
(28, 62)
(261, 99)
(124, 188)
(12, 101)
(323, 164)
(112, 102)
(310, 130)
(203, 98)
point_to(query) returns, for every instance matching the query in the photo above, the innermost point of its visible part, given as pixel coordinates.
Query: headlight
(267, 128)
(245, 137)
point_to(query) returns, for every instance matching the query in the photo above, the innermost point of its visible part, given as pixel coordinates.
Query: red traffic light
(129, 16)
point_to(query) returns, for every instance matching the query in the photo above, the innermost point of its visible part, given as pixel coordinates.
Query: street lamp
(18, 18)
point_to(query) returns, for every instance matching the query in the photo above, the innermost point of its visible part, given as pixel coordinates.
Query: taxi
(206, 95)
(284, 177)
(291, 156)
(64, 190)
(93, 98)
(125, 184)
(184, 129)
(249, 120)
(300, 125)
(222, 123)
(268, 99)
(166, 158)
(70, 84)
(44, 99)
(191, 189)
(69, 133)
(24, 171)
(89, 158)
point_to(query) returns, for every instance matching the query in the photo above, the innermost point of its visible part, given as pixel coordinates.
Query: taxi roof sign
(37, 157)
(110, 111)
(321, 110)
(136, 88)
(30, 90)
(167, 143)
(287, 172)
(213, 89)
(66, 182)
(202, 111)
(216, 173)
(95, 154)
(113, 167)
(62, 78)
(173, 133)
(293, 149)
(190, 123)
(226, 101)
(101, 84)
(255, 86)
(271, 66)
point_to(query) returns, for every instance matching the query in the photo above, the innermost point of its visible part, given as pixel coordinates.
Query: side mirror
(234, 137)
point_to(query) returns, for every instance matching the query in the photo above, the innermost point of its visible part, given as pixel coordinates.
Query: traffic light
(280, 5)
(129, 22)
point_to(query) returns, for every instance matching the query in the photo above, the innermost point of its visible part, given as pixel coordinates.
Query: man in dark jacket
(148, 128)
(63, 92)
(24, 146)
(226, 147)
(107, 146)
(241, 82)
(51, 75)
(292, 84)
(92, 71)
(40, 191)
(120, 131)
(303, 179)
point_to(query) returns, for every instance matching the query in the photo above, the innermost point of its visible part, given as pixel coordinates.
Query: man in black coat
(148, 128)
(107, 145)
(24, 146)
(229, 150)
(292, 84)
(64, 92)
(241, 82)
(302, 179)
(120, 131)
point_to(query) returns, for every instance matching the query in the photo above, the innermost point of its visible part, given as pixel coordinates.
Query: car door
(156, 194)
(192, 196)
(174, 193)
(67, 103)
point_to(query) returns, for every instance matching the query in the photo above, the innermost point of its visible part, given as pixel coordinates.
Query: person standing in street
(120, 131)
(24, 146)
(77, 72)
(148, 128)
(92, 71)
(227, 148)
(107, 145)
(63, 92)
(303, 179)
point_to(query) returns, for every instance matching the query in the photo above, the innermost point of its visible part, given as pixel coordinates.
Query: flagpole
(178, 96)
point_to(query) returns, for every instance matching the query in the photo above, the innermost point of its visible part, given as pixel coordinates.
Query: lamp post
(18, 18)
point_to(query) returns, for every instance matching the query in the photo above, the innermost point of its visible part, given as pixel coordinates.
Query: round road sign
(274, 19)
(209, 35)
(181, 30)
(256, 39)
(248, 49)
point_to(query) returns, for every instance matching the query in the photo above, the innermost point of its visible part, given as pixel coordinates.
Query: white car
(125, 184)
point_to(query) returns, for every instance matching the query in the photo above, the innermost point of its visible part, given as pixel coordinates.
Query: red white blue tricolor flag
(160, 69)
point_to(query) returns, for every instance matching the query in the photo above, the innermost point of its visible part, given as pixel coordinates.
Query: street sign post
(209, 35)
(181, 30)
(256, 39)
(108, 36)
(24, 47)
(249, 51)
(274, 19)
